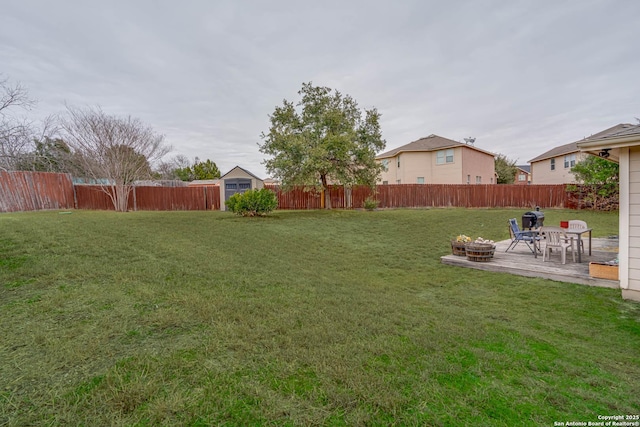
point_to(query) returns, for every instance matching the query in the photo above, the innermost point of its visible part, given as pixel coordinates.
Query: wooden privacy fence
(432, 195)
(26, 191)
(471, 196)
(33, 191)
(153, 198)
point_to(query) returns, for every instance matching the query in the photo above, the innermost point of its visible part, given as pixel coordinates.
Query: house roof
(524, 168)
(572, 147)
(428, 143)
(625, 131)
(610, 144)
(242, 169)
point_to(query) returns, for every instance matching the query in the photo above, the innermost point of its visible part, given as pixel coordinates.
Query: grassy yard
(301, 318)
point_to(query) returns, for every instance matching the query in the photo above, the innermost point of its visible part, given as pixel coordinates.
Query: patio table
(578, 232)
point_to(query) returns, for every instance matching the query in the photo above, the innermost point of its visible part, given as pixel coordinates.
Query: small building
(237, 180)
(554, 166)
(437, 160)
(623, 147)
(523, 175)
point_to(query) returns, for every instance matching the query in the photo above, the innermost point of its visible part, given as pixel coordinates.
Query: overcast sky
(520, 76)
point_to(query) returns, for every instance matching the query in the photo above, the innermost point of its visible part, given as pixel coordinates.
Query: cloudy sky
(519, 76)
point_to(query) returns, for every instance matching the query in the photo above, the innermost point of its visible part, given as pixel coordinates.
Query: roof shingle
(572, 147)
(428, 143)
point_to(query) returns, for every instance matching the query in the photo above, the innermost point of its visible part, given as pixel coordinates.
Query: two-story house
(437, 160)
(523, 175)
(554, 166)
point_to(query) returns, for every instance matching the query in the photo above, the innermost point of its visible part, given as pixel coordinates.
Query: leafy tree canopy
(506, 169)
(52, 155)
(596, 170)
(599, 177)
(198, 171)
(323, 139)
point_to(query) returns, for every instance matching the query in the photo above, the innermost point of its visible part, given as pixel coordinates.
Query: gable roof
(524, 168)
(626, 137)
(624, 131)
(242, 169)
(428, 143)
(572, 147)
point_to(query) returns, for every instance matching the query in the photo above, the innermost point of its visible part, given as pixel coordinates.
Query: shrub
(370, 203)
(253, 202)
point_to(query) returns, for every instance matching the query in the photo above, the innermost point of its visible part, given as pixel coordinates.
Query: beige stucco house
(554, 166)
(623, 147)
(437, 160)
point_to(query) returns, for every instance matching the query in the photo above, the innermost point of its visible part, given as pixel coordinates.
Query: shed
(237, 180)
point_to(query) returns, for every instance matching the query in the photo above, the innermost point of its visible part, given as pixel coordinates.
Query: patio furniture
(556, 238)
(578, 224)
(529, 237)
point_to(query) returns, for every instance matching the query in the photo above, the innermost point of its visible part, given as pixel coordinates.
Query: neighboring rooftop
(572, 147)
(428, 143)
(524, 168)
(626, 130)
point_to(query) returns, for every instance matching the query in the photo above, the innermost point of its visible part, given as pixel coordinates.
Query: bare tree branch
(13, 96)
(112, 151)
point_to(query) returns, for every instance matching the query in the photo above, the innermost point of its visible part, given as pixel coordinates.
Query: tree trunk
(327, 195)
(122, 196)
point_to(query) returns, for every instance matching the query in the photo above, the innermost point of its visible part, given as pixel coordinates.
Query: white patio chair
(556, 238)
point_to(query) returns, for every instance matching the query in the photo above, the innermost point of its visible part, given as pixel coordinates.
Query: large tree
(198, 171)
(112, 151)
(505, 169)
(51, 155)
(323, 139)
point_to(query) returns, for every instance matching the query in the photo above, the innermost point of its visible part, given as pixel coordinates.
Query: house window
(421, 180)
(522, 177)
(478, 180)
(492, 180)
(569, 160)
(385, 164)
(553, 164)
(398, 160)
(398, 181)
(444, 156)
(468, 179)
(385, 182)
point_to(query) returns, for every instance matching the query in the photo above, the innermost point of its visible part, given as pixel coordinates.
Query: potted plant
(458, 245)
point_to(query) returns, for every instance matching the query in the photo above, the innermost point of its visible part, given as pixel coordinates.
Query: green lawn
(300, 318)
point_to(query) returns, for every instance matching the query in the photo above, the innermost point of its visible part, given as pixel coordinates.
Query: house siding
(541, 172)
(475, 163)
(414, 164)
(634, 222)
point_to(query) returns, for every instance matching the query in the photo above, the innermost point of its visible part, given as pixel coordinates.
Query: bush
(370, 203)
(253, 202)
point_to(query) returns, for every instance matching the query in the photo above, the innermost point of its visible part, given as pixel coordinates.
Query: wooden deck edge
(458, 261)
